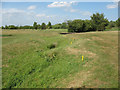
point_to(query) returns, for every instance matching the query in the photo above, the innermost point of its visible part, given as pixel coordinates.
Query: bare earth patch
(79, 79)
(5, 65)
(82, 51)
(3, 37)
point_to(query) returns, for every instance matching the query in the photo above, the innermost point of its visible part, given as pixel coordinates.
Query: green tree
(43, 26)
(6, 27)
(12, 27)
(99, 22)
(64, 25)
(118, 22)
(38, 26)
(111, 24)
(35, 25)
(49, 26)
(56, 26)
(88, 25)
(76, 26)
(2, 27)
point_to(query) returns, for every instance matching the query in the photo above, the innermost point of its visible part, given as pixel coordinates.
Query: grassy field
(48, 59)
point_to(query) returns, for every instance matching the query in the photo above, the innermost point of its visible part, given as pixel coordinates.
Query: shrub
(76, 26)
(51, 46)
(56, 26)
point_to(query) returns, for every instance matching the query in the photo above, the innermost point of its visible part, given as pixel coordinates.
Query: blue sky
(25, 13)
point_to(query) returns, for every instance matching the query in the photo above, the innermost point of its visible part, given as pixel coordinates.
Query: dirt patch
(79, 79)
(82, 51)
(88, 39)
(97, 38)
(3, 37)
(5, 66)
(72, 51)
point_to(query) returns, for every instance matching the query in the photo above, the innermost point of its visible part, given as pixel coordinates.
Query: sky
(25, 13)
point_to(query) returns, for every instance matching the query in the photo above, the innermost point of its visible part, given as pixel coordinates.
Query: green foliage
(111, 25)
(99, 22)
(38, 26)
(88, 25)
(12, 27)
(35, 25)
(112, 29)
(64, 25)
(49, 26)
(2, 27)
(56, 26)
(43, 26)
(25, 27)
(6, 27)
(118, 22)
(76, 26)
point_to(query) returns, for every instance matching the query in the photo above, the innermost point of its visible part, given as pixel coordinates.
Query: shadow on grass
(64, 33)
(6, 35)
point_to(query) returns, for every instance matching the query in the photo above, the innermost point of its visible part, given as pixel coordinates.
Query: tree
(64, 25)
(76, 26)
(88, 25)
(69, 22)
(111, 24)
(56, 26)
(99, 22)
(43, 26)
(38, 26)
(6, 27)
(49, 26)
(35, 25)
(2, 27)
(118, 22)
(12, 27)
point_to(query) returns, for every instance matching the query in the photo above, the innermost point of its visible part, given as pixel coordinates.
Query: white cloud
(40, 15)
(67, 6)
(116, 0)
(45, 16)
(86, 13)
(70, 9)
(32, 7)
(73, 10)
(24, 17)
(61, 4)
(114, 5)
(12, 10)
(17, 16)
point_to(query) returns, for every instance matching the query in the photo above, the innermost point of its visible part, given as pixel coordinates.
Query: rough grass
(47, 59)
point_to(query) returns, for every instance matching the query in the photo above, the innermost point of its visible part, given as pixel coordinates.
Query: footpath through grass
(48, 59)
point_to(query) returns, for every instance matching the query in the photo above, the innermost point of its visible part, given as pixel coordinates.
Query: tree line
(38, 26)
(98, 22)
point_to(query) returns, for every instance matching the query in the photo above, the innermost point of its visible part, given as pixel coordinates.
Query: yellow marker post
(71, 42)
(82, 58)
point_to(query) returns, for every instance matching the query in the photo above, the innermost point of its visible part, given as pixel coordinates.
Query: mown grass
(47, 59)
